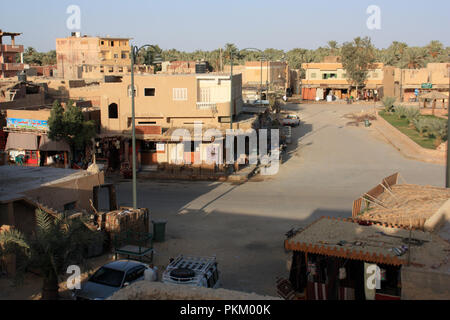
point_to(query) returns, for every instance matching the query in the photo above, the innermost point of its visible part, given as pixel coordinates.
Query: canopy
(21, 141)
(50, 145)
(434, 95)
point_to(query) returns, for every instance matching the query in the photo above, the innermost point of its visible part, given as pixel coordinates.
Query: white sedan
(291, 120)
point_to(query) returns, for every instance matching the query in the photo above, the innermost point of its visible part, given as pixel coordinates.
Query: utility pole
(133, 128)
(447, 175)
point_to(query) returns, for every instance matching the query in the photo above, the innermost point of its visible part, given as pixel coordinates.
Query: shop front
(23, 148)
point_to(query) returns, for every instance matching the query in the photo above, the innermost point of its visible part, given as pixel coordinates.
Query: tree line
(398, 54)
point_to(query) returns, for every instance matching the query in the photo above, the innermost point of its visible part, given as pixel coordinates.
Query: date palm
(57, 242)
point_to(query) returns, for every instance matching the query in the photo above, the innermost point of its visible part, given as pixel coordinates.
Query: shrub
(412, 113)
(400, 111)
(421, 125)
(388, 103)
(438, 129)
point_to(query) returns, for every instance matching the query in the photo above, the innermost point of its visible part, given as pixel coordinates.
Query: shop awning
(49, 145)
(21, 141)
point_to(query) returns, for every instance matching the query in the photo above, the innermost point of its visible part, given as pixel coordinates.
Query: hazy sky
(209, 24)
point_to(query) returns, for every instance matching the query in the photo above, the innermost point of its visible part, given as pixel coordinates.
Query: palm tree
(414, 58)
(57, 243)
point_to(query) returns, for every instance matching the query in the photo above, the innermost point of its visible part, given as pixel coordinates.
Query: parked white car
(292, 120)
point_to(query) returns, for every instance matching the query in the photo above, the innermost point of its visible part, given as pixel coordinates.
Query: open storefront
(346, 260)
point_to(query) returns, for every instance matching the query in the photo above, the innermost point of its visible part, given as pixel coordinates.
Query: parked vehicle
(291, 120)
(111, 278)
(193, 271)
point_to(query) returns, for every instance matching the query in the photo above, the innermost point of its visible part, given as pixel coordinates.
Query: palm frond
(13, 239)
(43, 221)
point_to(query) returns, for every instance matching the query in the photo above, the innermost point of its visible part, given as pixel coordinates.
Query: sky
(189, 25)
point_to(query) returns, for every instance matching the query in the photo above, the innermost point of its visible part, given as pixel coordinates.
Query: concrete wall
(419, 284)
(146, 290)
(57, 194)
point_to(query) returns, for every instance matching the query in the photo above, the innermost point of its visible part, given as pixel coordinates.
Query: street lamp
(447, 175)
(134, 52)
(231, 80)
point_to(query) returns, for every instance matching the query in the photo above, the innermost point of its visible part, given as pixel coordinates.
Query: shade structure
(50, 145)
(434, 95)
(21, 141)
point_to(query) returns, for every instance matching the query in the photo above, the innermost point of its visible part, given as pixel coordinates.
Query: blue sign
(416, 92)
(27, 124)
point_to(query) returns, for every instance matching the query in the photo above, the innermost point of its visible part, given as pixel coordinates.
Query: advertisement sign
(27, 124)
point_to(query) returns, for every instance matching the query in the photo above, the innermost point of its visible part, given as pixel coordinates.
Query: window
(111, 70)
(124, 55)
(116, 56)
(113, 111)
(112, 43)
(135, 274)
(180, 94)
(102, 42)
(149, 92)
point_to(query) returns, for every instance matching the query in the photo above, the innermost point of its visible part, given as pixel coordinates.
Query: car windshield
(108, 277)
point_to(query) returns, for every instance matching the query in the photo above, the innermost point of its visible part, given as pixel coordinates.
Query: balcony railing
(206, 106)
(11, 48)
(13, 66)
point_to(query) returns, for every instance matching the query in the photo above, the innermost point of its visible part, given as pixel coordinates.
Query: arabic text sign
(27, 123)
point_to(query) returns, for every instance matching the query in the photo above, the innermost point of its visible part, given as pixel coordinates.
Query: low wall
(147, 290)
(56, 195)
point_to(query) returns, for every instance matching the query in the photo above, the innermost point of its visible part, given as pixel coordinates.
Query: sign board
(27, 124)
(427, 85)
(160, 147)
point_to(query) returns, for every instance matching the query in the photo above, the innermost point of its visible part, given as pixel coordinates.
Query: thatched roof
(434, 95)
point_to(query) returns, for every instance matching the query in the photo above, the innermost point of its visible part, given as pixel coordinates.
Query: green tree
(69, 125)
(358, 57)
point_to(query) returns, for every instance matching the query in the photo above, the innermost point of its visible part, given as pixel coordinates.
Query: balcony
(12, 66)
(206, 106)
(11, 48)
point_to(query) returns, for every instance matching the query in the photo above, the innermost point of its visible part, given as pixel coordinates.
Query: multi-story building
(330, 78)
(8, 55)
(260, 76)
(164, 103)
(83, 57)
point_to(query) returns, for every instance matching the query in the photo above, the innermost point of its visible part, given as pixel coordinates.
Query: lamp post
(447, 173)
(231, 80)
(134, 52)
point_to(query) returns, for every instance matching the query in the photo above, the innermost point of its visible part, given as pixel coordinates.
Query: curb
(401, 142)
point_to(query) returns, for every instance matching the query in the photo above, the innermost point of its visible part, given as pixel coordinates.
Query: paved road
(328, 166)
